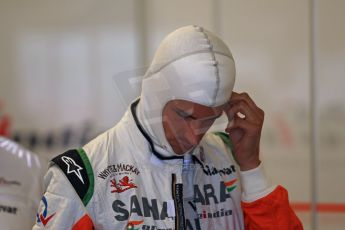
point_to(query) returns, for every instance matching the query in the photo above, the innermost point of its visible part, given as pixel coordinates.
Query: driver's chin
(184, 148)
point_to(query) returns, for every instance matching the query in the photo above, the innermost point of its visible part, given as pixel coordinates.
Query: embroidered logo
(8, 209)
(73, 167)
(124, 184)
(210, 170)
(42, 217)
(132, 224)
(230, 185)
(120, 169)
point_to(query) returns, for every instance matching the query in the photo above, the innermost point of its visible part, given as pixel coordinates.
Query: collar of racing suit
(147, 137)
(186, 157)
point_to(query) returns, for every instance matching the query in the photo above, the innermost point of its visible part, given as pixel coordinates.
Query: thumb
(235, 134)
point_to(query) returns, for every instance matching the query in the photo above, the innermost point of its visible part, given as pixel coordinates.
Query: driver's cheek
(196, 132)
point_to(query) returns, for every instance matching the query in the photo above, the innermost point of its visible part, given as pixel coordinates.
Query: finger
(237, 123)
(242, 107)
(248, 128)
(236, 135)
(243, 96)
(236, 97)
(255, 111)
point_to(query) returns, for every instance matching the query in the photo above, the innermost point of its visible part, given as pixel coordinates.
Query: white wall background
(62, 64)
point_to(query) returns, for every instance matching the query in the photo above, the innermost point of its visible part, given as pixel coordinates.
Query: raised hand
(244, 129)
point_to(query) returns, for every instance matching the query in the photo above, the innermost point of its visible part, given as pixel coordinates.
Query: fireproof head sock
(190, 64)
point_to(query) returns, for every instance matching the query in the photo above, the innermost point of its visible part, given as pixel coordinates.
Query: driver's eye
(182, 113)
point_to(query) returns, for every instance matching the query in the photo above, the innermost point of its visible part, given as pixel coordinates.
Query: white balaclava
(190, 64)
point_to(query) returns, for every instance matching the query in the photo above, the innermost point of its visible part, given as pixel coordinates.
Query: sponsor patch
(211, 170)
(8, 209)
(120, 176)
(72, 167)
(124, 184)
(139, 225)
(219, 213)
(118, 169)
(196, 224)
(230, 185)
(43, 216)
(134, 225)
(77, 168)
(141, 207)
(206, 195)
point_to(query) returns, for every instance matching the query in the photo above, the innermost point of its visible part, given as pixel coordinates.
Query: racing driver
(159, 168)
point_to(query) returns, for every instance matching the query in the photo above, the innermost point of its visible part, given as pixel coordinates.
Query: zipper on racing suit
(177, 194)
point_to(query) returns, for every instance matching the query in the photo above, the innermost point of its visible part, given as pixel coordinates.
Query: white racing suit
(21, 175)
(118, 181)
